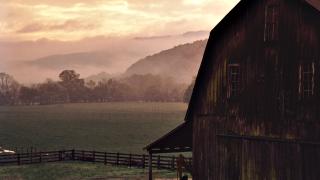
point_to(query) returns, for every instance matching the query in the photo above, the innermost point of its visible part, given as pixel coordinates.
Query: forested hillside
(181, 62)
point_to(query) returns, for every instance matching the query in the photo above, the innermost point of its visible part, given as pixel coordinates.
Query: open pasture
(112, 127)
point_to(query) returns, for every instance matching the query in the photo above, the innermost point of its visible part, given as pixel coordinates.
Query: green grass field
(113, 127)
(73, 171)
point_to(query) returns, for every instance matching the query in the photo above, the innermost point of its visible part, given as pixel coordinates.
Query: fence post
(172, 162)
(130, 159)
(60, 155)
(63, 155)
(82, 158)
(40, 157)
(72, 155)
(143, 161)
(117, 163)
(18, 159)
(105, 158)
(93, 156)
(150, 166)
(30, 154)
(27, 155)
(158, 162)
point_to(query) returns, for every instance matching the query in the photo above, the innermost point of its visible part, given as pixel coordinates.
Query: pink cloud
(70, 25)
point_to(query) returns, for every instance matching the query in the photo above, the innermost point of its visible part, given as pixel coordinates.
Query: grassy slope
(124, 127)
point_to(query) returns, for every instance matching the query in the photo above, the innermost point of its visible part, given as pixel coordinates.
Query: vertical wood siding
(269, 103)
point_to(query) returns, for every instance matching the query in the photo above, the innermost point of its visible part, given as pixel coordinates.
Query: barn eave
(177, 140)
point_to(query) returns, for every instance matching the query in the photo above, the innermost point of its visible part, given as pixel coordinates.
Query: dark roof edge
(165, 136)
(202, 65)
(214, 31)
(314, 5)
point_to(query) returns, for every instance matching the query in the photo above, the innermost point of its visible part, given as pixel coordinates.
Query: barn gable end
(255, 109)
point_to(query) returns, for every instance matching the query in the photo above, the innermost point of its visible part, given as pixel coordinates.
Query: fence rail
(120, 159)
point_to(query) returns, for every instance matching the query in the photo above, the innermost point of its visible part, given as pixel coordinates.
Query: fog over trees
(9, 89)
(70, 88)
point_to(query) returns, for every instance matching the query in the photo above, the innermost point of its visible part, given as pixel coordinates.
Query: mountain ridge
(180, 62)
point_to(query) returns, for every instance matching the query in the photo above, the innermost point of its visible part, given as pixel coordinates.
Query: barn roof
(216, 33)
(180, 139)
(314, 3)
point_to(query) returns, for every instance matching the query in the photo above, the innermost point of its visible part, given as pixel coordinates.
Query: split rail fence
(117, 159)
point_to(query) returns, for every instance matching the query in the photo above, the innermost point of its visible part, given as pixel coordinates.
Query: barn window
(234, 79)
(306, 76)
(271, 23)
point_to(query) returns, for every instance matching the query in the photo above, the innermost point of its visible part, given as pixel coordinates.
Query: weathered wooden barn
(255, 109)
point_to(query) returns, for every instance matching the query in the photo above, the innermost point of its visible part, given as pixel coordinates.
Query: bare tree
(9, 89)
(28, 95)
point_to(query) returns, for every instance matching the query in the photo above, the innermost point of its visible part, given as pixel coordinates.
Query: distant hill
(104, 60)
(46, 58)
(74, 60)
(181, 62)
(196, 34)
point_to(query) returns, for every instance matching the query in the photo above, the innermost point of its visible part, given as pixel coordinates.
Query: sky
(77, 19)
(123, 30)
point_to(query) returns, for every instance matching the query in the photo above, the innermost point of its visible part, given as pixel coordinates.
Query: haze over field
(90, 56)
(181, 62)
(40, 38)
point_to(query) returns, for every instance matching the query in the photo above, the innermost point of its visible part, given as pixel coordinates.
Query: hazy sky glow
(78, 19)
(33, 29)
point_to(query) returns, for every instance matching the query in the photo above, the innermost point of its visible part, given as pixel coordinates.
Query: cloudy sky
(77, 19)
(33, 29)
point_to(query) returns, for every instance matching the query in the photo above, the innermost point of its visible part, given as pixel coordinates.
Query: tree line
(70, 88)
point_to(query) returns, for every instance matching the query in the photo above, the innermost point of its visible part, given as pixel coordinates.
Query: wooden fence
(118, 159)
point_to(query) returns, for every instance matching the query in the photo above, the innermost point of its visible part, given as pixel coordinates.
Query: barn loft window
(234, 79)
(306, 79)
(271, 23)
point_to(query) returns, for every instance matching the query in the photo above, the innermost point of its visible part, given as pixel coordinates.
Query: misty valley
(103, 89)
(93, 110)
(163, 77)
